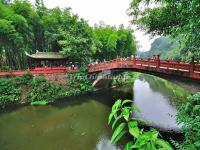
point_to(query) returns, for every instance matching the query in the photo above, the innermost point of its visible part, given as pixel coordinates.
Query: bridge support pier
(103, 80)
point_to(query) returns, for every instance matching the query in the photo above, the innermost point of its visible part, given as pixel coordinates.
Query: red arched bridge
(175, 68)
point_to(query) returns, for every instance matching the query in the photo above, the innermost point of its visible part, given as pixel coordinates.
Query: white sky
(112, 12)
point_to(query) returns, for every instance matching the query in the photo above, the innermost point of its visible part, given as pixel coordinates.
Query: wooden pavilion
(47, 59)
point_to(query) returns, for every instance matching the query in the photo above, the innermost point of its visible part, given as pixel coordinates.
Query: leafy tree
(51, 25)
(14, 36)
(176, 18)
(76, 38)
(112, 42)
(106, 44)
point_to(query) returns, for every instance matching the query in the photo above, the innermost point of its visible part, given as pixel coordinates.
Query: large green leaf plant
(121, 115)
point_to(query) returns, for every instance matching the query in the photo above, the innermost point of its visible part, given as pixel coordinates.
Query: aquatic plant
(39, 103)
(142, 140)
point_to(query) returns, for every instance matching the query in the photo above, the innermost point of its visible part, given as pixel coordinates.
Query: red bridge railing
(190, 70)
(42, 70)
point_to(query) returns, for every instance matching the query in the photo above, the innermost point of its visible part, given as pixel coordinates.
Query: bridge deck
(151, 65)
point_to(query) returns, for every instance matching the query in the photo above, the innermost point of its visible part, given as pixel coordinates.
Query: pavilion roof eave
(47, 56)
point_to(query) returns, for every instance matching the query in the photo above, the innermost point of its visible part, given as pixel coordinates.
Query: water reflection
(74, 124)
(156, 98)
(104, 144)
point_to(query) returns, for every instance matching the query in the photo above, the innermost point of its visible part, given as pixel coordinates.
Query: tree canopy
(170, 17)
(112, 42)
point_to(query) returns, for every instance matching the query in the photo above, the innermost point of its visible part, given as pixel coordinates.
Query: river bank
(27, 89)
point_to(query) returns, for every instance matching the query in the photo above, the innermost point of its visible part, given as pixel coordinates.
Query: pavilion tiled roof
(47, 55)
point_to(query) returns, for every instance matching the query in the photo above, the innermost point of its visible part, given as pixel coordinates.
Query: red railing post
(157, 61)
(134, 60)
(192, 64)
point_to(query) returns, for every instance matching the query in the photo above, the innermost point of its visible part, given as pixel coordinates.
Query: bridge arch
(105, 80)
(151, 66)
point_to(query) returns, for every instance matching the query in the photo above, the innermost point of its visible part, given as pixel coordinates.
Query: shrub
(24, 79)
(142, 140)
(70, 92)
(43, 90)
(80, 81)
(189, 117)
(8, 92)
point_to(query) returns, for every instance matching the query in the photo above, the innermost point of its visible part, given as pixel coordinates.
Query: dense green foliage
(26, 88)
(23, 79)
(80, 80)
(189, 118)
(43, 90)
(142, 140)
(112, 42)
(79, 83)
(76, 39)
(170, 17)
(9, 93)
